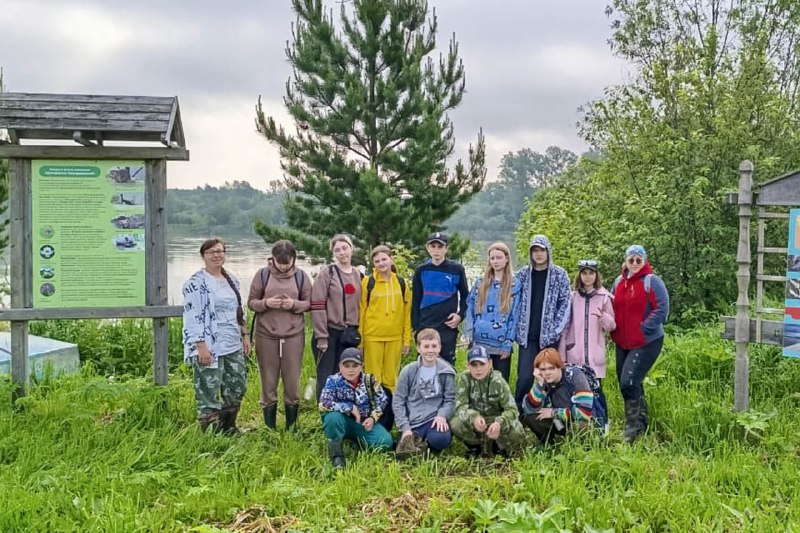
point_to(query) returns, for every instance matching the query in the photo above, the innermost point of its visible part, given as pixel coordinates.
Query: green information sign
(88, 233)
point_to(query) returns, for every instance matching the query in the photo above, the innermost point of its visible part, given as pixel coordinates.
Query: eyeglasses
(635, 260)
(587, 263)
(214, 252)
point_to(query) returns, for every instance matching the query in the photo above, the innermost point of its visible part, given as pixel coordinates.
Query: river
(244, 256)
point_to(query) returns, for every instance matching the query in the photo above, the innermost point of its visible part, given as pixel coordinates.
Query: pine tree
(372, 135)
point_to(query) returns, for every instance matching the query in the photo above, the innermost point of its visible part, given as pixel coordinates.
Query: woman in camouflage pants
(215, 339)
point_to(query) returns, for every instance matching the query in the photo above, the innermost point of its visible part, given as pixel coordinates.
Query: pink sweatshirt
(585, 343)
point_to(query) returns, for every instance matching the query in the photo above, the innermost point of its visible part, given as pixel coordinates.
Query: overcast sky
(529, 63)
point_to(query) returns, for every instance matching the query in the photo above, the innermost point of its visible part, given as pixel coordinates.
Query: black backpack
(299, 279)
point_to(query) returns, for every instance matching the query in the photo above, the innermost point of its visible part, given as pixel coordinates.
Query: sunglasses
(635, 260)
(587, 263)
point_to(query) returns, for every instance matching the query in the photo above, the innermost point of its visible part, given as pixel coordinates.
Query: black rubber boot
(336, 451)
(632, 422)
(473, 451)
(291, 416)
(210, 422)
(270, 416)
(644, 418)
(227, 419)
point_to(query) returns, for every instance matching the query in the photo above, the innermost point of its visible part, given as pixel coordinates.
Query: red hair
(548, 355)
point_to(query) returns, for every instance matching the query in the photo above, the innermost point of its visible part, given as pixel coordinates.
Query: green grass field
(90, 453)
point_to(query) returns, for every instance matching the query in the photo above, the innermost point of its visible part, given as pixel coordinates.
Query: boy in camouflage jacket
(485, 413)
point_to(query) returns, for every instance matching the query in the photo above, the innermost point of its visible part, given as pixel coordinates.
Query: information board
(791, 323)
(88, 233)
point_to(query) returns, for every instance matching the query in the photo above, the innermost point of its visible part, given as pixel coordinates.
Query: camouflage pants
(228, 381)
(508, 439)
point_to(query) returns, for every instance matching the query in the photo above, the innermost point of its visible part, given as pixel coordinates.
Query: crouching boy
(486, 413)
(424, 399)
(561, 399)
(351, 402)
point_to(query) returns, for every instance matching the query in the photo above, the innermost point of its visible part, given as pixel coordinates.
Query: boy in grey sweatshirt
(424, 398)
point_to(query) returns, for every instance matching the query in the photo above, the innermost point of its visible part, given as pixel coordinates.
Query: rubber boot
(644, 418)
(336, 451)
(210, 422)
(291, 416)
(632, 422)
(473, 451)
(270, 416)
(228, 417)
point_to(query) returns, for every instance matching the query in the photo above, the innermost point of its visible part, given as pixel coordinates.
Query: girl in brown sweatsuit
(280, 329)
(334, 307)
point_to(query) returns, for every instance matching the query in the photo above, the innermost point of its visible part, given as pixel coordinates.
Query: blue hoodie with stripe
(437, 291)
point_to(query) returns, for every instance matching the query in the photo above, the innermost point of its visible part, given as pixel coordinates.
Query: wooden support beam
(93, 152)
(156, 262)
(741, 389)
(21, 270)
(58, 313)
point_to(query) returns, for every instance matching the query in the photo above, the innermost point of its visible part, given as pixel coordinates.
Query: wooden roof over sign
(783, 190)
(91, 119)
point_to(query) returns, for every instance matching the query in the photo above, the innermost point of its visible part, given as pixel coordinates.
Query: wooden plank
(93, 152)
(772, 250)
(127, 136)
(156, 262)
(770, 310)
(784, 192)
(166, 137)
(88, 124)
(92, 114)
(766, 277)
(87, 98)
(773, 215)
(7, 105)
(19, 241)
(56, 313)
(771, 331)
(77, 136)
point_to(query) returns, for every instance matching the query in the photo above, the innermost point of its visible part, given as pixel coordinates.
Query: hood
(442, 366)
(273, 271)
(541, 241)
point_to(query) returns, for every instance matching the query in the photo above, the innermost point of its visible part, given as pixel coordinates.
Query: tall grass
(88, 453)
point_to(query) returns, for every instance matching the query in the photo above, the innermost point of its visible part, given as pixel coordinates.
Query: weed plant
(90, 452)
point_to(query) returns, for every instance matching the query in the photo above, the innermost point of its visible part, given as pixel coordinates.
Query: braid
(239, 310)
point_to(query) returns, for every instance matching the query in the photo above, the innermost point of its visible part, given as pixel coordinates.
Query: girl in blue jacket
(492, 309)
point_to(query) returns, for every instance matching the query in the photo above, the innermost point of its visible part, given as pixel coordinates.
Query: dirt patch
(406, 511)
(256, 520)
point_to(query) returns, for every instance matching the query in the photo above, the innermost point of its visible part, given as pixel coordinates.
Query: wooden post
(741, 389)
(156, 261)
(19, 185)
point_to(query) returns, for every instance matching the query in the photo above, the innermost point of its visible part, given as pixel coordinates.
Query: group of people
(364, 324)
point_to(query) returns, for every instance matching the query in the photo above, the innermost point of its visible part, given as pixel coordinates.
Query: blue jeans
(633, 366)
(339, 426)
(437, 440)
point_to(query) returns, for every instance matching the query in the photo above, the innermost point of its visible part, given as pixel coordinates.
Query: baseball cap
(477, 353)
(352, 354)
(438, 237)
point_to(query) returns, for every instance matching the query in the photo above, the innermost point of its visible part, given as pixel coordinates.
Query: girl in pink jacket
(584, 341)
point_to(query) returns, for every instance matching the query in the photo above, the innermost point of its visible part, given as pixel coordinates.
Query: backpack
(371, 285)
(299, 279)
(599, 414)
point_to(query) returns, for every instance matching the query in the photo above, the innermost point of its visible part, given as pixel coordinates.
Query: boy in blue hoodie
(424, 399)
(439, 295)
